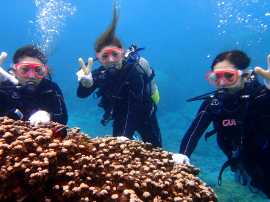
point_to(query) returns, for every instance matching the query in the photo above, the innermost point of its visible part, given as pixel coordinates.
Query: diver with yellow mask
(125, 85)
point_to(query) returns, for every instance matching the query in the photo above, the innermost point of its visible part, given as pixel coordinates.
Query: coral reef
(52, 163)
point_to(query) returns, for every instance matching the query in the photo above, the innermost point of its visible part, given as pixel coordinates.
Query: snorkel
(206, 96)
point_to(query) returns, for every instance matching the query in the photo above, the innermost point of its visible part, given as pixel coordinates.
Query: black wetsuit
(27, 99)
(125, 97)
(241, 122)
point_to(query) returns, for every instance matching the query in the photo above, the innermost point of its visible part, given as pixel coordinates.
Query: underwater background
(181, 38)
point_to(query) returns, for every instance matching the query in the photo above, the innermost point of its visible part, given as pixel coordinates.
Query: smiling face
(111, 56)
(226, 75)
(29, 69)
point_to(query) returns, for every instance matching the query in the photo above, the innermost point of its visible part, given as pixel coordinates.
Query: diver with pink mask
(125, 85)
(27, 91)
(240, 113)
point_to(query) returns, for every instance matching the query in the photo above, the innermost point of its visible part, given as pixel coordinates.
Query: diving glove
(39, 117)
(180, 159)
(84, 74)
(265, 73)
(121, 138)
(4, 76)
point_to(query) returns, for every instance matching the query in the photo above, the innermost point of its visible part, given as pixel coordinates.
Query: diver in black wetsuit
(126, 87)
(240, 113)
(28, 93)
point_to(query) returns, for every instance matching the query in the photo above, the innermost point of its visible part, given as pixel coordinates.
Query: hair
(108, 37)
(236, 57)
(29, 51)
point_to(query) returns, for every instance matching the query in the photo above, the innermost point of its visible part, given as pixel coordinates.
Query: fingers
(122, 138)
(258, 70)
(89, 66)
(90, 63)
(4, 74)
(180, 158)
(264, 73)
(268, 61)
(82, 63)
(39, 117)
(3, 57)
(86, 69)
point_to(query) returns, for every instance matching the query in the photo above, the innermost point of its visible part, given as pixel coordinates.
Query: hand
(3, 57)
(122, 138)
(84, 74)
(180, 159)
(264, 73)
(39, 117)
(3, 74)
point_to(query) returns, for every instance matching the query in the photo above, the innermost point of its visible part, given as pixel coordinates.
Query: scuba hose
(206, 96)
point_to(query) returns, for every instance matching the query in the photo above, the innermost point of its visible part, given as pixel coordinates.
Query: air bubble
(50, 19)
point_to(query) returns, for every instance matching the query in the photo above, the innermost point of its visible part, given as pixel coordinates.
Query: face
(111, 56)
(30, 69)
(226, 75)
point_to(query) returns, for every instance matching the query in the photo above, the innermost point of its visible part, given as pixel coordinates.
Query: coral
(50, 163)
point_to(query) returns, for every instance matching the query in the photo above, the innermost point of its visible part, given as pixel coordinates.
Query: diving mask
(31, 70)
(110, 55)
(224, 77)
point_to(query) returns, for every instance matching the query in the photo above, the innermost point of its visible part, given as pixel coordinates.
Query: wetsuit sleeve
(196, 130)
(57, 107)
(83, 92)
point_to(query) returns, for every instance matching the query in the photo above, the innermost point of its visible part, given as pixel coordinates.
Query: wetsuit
(241, 122)
(20, 102)
(125, 97)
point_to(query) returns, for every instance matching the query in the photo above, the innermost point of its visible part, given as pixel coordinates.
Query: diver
(240, 112)
(27, 91)
(125, 85)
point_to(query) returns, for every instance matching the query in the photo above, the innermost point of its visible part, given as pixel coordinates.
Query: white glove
(180, 159)
(39, 117)
(86, 80)
(121, 138)
(3, 74)
(84, 74)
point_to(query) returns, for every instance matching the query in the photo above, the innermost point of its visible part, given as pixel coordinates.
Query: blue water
(181, 38)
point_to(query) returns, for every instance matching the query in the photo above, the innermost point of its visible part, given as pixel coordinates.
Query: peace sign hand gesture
(84, 74)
